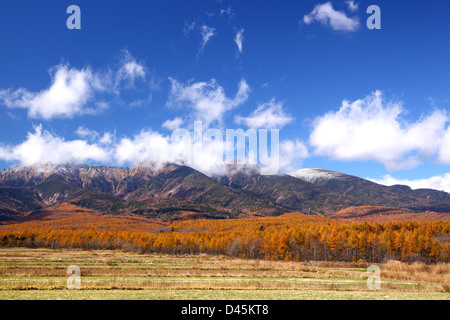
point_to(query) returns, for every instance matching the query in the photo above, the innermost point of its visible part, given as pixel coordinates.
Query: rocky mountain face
(366, 192)
(16, 201)
(173, 191)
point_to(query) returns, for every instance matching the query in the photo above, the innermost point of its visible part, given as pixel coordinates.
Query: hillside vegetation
(290, 237)
(168, 192)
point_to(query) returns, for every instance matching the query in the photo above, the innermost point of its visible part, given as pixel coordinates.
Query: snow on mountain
(313, 175)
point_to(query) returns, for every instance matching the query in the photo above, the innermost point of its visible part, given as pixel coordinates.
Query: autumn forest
(290, 237)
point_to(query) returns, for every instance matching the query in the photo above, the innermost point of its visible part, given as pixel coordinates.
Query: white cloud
(41, 147)
(108, 138)
(67, 95)
(227, 11)
(141, 102)
(188, 27)
(86, 133)
(239, 39)
(444, 149)
(173, 124)
(292, 153)
(74, 91)
(209, 158)
(147, 146)
(207, 99)
(441, 182)
(152, 148)
(129, 70)
(372, 129)
(207, 33)
(100, 106)
(352, 5)
(155, 149)
(268, 115)
(328, 16)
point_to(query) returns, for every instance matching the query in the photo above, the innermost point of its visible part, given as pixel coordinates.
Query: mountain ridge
(171, 191)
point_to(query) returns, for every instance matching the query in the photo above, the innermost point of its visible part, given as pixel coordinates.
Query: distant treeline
(293, 237)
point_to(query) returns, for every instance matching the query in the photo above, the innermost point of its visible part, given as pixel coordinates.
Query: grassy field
(42, 274)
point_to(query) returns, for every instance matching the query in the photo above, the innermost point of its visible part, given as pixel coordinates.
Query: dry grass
(22, 270)
(436, 274)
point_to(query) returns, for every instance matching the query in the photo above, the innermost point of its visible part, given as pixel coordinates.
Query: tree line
(294, 237)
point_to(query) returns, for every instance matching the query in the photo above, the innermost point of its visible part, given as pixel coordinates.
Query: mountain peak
(172, 190)
(314, 174)
(49, 169)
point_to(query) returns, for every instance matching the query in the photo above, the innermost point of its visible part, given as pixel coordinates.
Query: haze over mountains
(175, 191)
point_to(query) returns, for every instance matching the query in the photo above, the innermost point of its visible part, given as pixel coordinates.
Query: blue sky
(371, 103)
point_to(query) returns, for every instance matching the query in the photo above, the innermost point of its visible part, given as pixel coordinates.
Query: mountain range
(176, 191)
